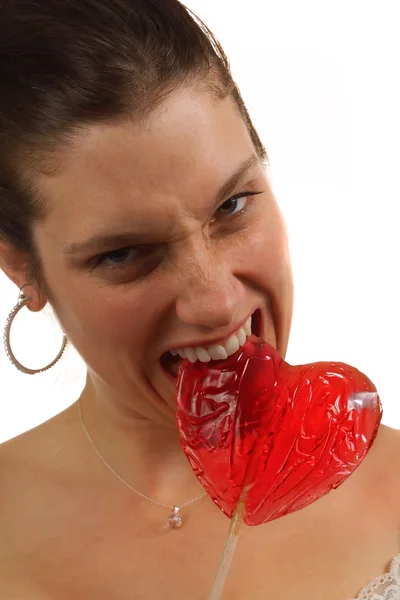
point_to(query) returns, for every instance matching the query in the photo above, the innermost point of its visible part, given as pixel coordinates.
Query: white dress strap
(385, 587)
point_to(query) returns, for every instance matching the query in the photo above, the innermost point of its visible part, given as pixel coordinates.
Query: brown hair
(67, 64)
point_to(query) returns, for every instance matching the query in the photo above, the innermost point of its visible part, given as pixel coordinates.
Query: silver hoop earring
(22, 301)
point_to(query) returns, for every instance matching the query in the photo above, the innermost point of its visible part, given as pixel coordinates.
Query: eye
(236, 205)
(232, 206)
(139, 259)
(118, 257)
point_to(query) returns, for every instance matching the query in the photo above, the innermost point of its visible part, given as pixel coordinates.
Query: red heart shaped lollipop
(284, 434)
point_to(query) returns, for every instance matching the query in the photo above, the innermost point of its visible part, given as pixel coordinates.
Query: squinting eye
(132, 257)
(138, 260)
(233, 206)
(116, 257)
(237, 205)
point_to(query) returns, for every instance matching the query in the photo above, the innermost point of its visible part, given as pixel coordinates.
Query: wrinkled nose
(210, 298)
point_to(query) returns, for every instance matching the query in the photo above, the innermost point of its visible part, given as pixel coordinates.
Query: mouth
(170, 361)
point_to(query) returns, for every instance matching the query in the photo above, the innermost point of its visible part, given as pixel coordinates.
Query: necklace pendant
(174, 519)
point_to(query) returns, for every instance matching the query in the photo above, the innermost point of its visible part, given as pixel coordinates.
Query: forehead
(138, 171)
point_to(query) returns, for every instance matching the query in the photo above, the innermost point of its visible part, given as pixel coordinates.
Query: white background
(321, 82)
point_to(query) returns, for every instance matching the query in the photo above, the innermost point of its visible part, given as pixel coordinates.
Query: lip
(212, 342)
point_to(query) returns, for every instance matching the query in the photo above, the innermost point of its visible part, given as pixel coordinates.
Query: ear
(14, 264)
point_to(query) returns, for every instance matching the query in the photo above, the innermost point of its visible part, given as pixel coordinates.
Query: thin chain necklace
(174, 520)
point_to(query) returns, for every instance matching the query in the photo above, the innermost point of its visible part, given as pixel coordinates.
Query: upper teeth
(218, 351)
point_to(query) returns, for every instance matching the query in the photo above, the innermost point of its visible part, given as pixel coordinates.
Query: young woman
(134, 199)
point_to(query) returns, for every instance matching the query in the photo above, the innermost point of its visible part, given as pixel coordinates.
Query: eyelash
(98, 261)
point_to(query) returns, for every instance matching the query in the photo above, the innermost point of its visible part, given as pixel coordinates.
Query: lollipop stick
(227, 552)
(237, 517)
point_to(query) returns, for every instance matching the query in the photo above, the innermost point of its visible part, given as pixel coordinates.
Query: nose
(210, 297)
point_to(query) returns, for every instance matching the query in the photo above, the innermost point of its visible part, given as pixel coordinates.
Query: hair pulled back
(69, 64)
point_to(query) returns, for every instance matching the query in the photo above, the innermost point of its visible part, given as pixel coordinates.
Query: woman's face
(147, 247)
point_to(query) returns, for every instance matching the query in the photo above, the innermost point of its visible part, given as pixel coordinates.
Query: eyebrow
(114, 240)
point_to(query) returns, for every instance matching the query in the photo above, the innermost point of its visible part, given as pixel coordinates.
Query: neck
(147, 454)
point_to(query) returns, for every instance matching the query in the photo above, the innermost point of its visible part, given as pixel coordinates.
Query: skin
(83, 534)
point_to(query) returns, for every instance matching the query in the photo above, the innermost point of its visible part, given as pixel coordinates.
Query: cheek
(104, 318)
(122, 321)
(264, 251)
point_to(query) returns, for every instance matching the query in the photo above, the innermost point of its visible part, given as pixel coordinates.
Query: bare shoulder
(27, 460)
(392, 458)
(43, 440)
(388, 451)
(384, 468)
(33, 475)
